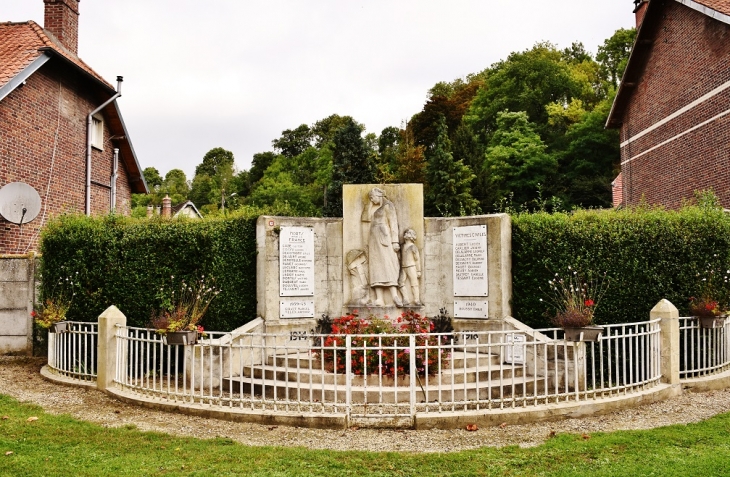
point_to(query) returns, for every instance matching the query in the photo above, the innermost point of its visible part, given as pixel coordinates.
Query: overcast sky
(200, 74)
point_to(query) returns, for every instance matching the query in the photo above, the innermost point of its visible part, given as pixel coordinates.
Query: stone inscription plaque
(470, 261)
(296, 309)
(296, 261)
(515, 349)
(470, 309)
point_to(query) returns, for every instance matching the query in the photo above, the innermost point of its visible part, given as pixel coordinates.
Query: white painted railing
(703, 351)
(389, 376)
(72, 353)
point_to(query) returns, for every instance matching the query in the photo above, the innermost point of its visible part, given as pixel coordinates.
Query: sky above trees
(235, 74)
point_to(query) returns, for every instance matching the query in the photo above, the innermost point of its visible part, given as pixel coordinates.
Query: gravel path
(20, 378)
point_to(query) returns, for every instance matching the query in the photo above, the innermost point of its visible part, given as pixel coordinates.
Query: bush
(646, 255)
(124, 262)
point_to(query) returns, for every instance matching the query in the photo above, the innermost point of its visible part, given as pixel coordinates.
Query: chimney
(167, 207)
(640, 10)
(62, 20)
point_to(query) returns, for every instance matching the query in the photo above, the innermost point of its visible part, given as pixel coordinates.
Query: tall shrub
(647, 255)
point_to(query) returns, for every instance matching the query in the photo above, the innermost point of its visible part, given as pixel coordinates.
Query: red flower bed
(385, 349)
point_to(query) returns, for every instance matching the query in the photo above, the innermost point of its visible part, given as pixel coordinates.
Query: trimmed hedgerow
(127, 262)
(646, 255)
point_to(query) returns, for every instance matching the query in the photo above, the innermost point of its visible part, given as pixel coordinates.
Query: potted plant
(178, 319)
(710, 304)
(575, 300)
(708, 311)
(52, 313)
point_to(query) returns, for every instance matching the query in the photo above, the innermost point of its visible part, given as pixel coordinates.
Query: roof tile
(22, 43)
(722, 6)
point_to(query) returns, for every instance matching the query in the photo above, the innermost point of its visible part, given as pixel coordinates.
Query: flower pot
(712, 322)
(180, 337)
(61, 327)
(586, 333)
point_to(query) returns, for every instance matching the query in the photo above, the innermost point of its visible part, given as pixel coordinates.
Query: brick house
(49, 108)
(673, 103)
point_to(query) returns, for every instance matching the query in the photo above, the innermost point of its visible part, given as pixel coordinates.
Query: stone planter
(712, 322)
(180, 338)
(60, 327)
(586, 333)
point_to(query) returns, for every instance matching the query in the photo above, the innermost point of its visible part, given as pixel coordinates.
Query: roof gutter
(89, 122)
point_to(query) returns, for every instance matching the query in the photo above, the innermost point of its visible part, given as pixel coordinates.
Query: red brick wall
(29, 118)
(690, 57)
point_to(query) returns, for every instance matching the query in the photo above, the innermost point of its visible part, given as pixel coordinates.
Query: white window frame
(97, 132)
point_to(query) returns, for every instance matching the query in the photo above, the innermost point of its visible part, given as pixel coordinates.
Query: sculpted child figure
(410, 266)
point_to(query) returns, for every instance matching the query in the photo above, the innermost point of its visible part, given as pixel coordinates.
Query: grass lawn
(60, 445)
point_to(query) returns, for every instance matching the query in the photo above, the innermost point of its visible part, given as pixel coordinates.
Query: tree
(410, 164)
(152, 177)
(350, 165)
(613, 55)
(293, 141)
(176, 186)
(214, 161)
(325, 129)
(516, 161)
(448, 180)
(525, 81)
(261, 161)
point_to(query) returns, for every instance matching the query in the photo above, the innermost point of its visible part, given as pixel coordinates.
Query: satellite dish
(19, 202)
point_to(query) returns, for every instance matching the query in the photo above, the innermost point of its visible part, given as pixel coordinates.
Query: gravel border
(20, 378)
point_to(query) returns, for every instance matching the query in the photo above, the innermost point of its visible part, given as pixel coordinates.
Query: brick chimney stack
(640, 10)
(62, 20)
(167, 207)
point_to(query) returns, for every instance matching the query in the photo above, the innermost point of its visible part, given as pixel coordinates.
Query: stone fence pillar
(669, 316)
(106, 347)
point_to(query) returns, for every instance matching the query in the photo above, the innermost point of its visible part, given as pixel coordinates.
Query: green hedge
(124, 262)
(647, 255)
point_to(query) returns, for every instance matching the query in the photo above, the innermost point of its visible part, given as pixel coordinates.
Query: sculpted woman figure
(383, 246)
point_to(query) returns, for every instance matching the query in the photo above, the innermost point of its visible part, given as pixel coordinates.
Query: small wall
(17, 296)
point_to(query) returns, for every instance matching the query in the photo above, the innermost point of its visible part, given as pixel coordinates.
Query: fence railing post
(106, 347)
(669, 362)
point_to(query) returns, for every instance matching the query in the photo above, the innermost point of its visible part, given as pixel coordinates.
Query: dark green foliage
(647, 255)
(125, 262)
(214, 161)
(449, 181)
(350, 165)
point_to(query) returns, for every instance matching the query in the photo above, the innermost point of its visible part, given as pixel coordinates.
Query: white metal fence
(72, 353)
(703, 351)
(389, 376)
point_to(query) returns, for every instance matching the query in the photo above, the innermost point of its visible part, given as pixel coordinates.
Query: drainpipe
(89, 122)
(113, 180)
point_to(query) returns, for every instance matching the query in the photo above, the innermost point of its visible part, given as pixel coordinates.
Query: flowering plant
(184, 310)
(575, 298)
(55, 306)
(713, 286)
(378, 349)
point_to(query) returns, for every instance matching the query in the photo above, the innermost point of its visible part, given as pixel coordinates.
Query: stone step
(458, 360)
(323, 392)
(482, 374)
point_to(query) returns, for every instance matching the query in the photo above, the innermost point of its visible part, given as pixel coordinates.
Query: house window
(97, 132)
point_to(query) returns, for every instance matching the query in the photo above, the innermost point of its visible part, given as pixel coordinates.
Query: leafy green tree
(516, 161)
(448, 190)
(261, 161)
(214, 161)
(525, 81)
(613, 55)
(350, 165)
(176, 186)
(591, 159)
(325, 129)
(293, 141)
(152, 177)
(410, 166)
